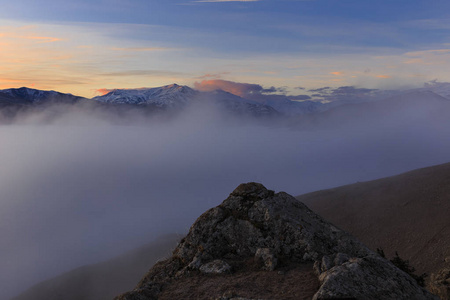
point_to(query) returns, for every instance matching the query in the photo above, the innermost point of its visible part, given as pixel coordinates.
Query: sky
(83, 46)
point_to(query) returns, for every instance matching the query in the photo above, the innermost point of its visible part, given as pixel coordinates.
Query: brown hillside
(408, 213)
(102, 281)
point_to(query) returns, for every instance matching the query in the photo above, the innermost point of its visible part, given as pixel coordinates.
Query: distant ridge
(170, 98)
(26, 95)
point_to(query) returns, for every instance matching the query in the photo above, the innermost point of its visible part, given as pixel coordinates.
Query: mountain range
(176, 98)
(170, 98)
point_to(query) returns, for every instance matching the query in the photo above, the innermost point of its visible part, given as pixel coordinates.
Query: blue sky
(123, 44)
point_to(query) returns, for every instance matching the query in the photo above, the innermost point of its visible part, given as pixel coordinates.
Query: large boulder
(255, 229)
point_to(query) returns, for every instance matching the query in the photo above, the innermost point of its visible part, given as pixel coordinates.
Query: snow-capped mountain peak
(165, 96)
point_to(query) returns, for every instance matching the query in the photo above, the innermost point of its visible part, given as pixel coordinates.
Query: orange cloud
(421, 53)
(10, 80)
(43, 39)
(103, 91)
(235, 88)
(213, 75)
(383, 76)
(414, 61)
(337, 73)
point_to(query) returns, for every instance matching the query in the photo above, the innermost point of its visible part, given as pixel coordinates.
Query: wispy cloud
(15, 33)
(142, 73)
(236, 88)
(417, 61)
(250, 91)
(213, 75)
(104, 91)
(10, 80)
(141, 49)
(43, 39)
(430, 24)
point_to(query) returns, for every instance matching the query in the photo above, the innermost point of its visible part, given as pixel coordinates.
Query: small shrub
(404, 265)
(381, 252)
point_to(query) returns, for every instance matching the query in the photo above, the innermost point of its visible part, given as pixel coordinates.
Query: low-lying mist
(80, 189)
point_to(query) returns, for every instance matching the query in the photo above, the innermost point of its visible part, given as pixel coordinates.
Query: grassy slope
(408, 213)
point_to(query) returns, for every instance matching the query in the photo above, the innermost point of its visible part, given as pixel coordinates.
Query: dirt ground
(298, 283)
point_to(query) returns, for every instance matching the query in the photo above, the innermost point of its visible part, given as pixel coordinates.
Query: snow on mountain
(440, 88)
(176, 96)
(168, 96)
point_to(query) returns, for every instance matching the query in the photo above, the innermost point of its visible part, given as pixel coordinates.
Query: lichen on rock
(439, 283)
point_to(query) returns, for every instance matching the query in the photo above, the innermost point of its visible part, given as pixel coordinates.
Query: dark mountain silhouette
(29, 96)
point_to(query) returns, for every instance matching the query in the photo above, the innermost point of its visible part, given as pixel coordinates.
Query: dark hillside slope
(104, 280)
(408, 213)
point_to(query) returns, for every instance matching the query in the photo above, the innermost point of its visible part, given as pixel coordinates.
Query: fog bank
(73, 193)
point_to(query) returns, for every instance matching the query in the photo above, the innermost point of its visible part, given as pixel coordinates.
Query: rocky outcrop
(256, 229)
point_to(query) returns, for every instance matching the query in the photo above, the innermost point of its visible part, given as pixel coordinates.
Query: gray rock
(268, 259)
(216, 267)
(329, 261)
(256, 222)
(370, 277)
(254, 217)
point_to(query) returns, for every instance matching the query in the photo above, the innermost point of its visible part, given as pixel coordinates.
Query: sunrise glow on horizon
(86, 46)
